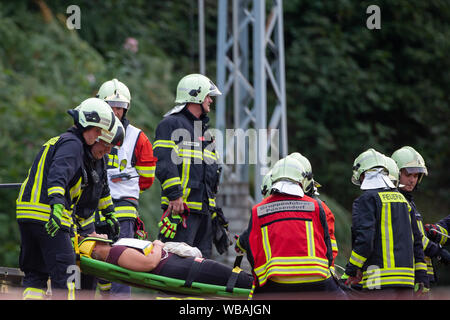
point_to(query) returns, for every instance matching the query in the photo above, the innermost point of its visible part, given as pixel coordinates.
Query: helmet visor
(411, 170)
(213, 90)
(118, 104)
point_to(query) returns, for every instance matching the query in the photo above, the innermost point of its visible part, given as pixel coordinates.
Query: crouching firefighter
(95, 196)
(45, 200)
(287, 240)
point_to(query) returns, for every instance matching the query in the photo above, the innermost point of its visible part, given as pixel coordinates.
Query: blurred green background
(348, 88)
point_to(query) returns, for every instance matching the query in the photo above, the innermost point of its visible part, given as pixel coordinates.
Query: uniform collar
(125, 122)
(204, 118)
(408, 195)
(78, 133)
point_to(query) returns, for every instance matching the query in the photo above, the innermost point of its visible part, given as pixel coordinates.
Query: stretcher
(115, 273)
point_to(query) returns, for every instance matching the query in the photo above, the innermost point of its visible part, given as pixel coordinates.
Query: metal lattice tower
(250, 66)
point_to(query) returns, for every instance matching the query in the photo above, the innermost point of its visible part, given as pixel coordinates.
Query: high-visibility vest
(120, 161)
(289, 240)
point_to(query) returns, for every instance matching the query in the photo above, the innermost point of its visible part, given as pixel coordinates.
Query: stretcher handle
(9, 185)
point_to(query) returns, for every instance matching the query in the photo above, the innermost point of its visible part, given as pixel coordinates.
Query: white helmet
(115, 93)
(393, 170)
(367, 160)
(93, 112)
(266, 184)
(308, 183)
(194, 88)
(115, 136)
(287, 175)
(409, 159)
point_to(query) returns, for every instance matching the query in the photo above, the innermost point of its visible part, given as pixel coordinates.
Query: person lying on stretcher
(186, 264)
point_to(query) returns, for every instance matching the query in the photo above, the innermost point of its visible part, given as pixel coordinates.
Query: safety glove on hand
(237, 247)
(113, 224)
(169, 222)
(444, 256)
(219, 217)
(140, 233)
(420, 289)
(54, 222)
(430, 231)
(220, 230)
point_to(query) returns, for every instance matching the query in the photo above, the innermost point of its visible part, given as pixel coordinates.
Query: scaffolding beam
(251, 67)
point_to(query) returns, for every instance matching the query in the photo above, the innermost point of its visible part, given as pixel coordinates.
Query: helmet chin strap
(204, 113)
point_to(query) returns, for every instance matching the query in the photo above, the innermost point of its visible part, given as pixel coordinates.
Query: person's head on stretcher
(129, 258)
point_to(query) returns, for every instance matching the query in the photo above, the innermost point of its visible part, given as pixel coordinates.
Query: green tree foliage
(350, 88)
(46, 69)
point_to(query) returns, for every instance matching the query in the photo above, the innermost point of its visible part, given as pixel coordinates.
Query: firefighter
(131, 169)
(188, 169)
(310, 187)
(287, 241)
(95, 193)
(412, 169)
(45, 200)
(95, 196)
(387, 255)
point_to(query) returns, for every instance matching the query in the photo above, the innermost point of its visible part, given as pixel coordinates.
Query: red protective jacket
(288, 239)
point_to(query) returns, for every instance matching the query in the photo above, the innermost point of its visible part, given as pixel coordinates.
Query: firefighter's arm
(438, 232)
(420, 266)
(145, 162)
(331, 228)
(166, 150)
(363, 232)
(67, 160)
(242, 241)
(326, 234)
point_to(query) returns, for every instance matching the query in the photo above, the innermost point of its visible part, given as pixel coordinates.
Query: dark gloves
(237, 247)
(113, 224)
(430, 232)
(220, 230)
(444, 256)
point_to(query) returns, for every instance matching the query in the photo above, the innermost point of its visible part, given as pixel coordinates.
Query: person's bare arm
(136, 261)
